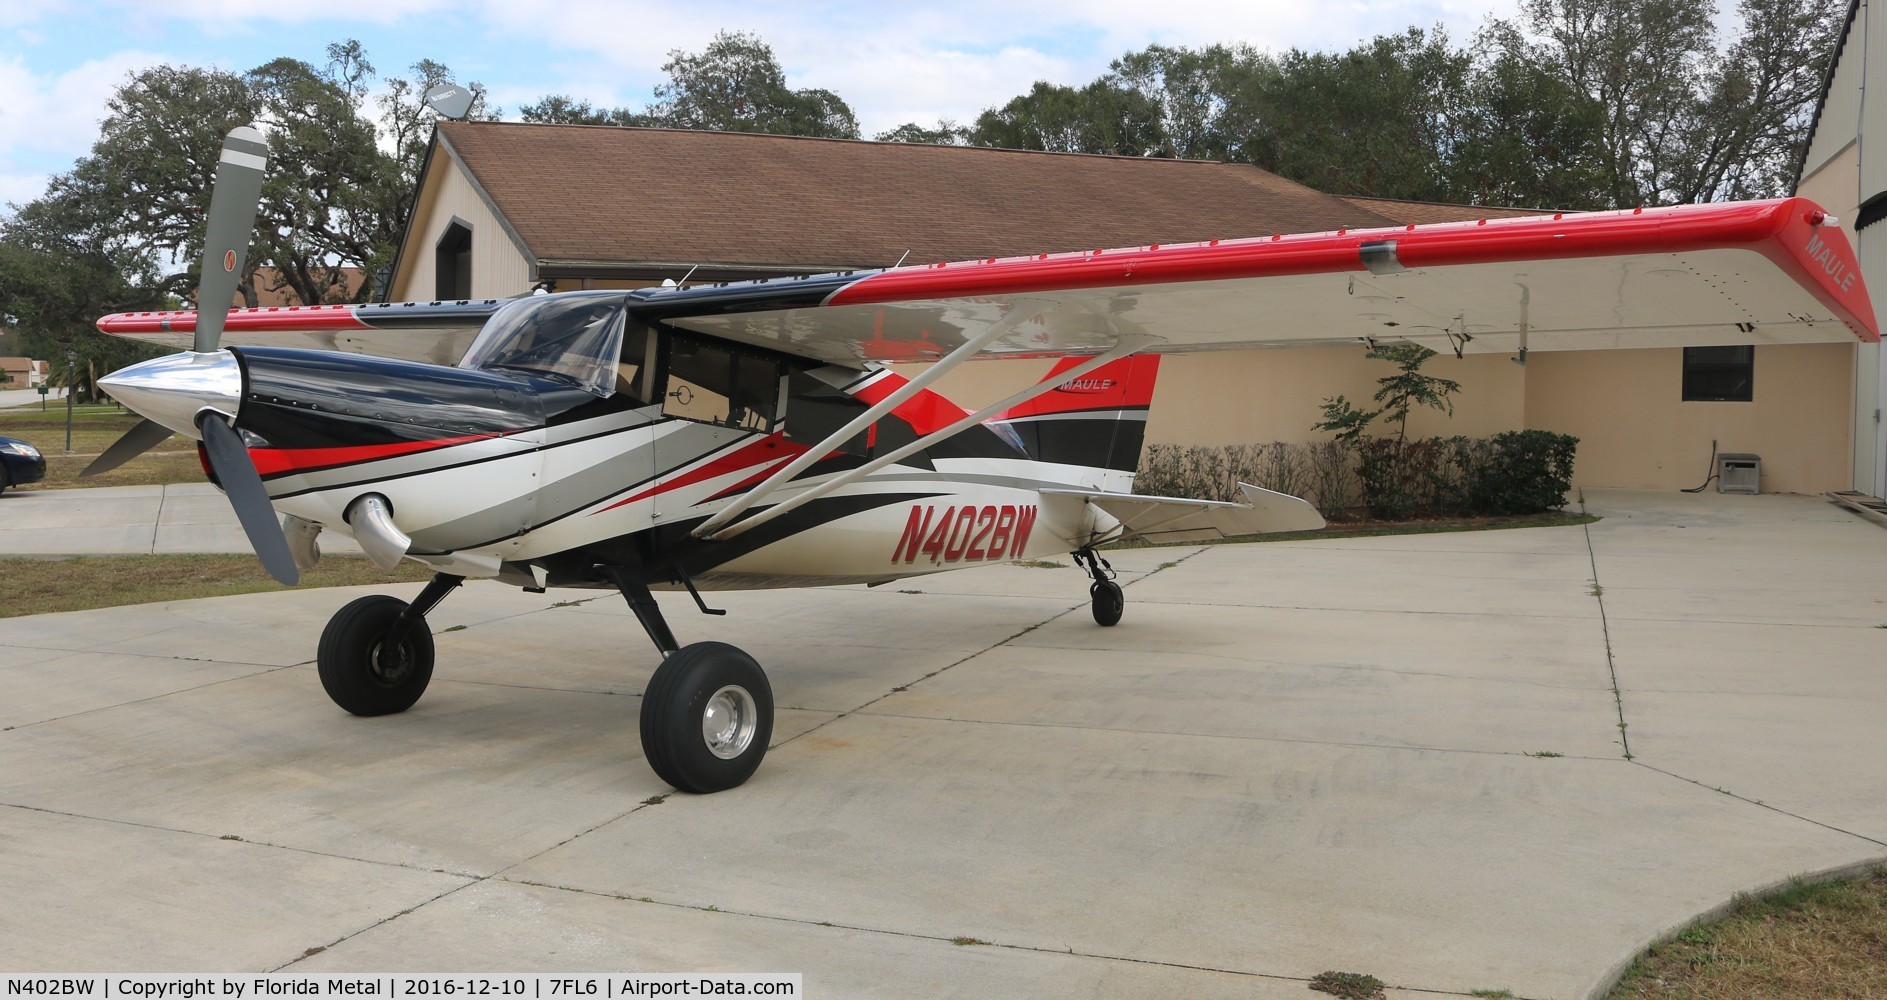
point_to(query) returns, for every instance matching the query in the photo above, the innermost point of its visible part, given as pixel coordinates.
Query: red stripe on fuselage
(768, 453)
(1126, 384)
(280, 461)
(927, 412)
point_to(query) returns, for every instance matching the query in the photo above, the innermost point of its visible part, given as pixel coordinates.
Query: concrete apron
(1397, 756)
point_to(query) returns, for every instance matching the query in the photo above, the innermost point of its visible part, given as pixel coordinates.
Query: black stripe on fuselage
(664, 550)
(653, 305)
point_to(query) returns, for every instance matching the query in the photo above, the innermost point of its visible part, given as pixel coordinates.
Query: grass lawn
(1827, 940)
(94, 428)
(39, 586)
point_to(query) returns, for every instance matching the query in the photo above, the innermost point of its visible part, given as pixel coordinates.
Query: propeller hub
(172, 390)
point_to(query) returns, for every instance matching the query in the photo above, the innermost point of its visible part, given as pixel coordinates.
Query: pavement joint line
(497, 874)
(270, 845)
(1369, 611)
(318, 949)
(266, 669)
(1761, 804)
(1745, 621)
(941, 939)
(899, 689)
(163, 493)
(1611, 663)
(148, 656)
(1361, 667)
(1357, 744)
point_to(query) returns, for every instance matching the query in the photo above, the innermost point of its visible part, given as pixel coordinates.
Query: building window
(453, 258)
(1719, 374)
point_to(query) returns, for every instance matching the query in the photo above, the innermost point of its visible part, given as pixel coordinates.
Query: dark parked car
(20, 463)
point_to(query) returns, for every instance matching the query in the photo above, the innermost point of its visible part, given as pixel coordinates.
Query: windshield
(574, 337)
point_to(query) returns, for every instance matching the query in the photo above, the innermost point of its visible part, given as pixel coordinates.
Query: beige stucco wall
(1625, 406)
(499, 267)
(1242, 397)
(1635, 431)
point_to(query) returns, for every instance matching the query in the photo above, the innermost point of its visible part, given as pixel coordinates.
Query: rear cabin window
(815, 410)
(715, 385)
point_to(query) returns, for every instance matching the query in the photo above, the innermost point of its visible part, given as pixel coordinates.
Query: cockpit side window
(576, 338)
(632, 366)
(713, 384)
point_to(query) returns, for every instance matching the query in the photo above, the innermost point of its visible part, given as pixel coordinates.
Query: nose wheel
(375, 656)
(1104, 595)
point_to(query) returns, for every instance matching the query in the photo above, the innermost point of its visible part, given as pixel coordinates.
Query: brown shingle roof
(1421, 213)
(590, 193)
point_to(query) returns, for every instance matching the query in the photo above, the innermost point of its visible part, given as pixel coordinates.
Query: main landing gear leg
(1104, 594)
(375, 656)
(707, 714)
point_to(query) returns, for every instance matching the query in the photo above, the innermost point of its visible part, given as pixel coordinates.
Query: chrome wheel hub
(729, 722)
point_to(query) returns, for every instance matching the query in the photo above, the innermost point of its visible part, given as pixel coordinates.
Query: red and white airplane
(748, 435)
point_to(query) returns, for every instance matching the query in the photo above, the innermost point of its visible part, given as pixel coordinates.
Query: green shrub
(1528, 472)
(1517, 472)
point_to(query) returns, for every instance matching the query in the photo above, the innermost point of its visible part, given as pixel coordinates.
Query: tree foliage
(1574, 104)
(123, 229)
(947, 133)
(737, 85)
(562, 109)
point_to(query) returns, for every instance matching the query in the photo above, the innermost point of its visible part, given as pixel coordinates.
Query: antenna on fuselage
(900, 262)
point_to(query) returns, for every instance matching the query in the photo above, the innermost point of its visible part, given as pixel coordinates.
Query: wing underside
(1770, 272)
(434, 332)
(1758, 272)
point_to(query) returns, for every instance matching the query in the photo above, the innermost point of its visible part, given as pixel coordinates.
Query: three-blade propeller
(234, 199)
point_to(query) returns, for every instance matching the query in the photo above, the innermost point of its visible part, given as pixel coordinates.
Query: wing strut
(1020, 312)
(1126, 345)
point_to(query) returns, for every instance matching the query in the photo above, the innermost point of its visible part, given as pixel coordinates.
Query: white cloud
(50, 121)
(919, 62)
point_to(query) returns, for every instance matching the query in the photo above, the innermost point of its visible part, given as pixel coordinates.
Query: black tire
(359, 673)
(1108, 602)
(5, 477)
(674, 717)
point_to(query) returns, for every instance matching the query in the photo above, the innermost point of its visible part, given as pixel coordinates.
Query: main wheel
(707, 716)
(1108, 602)
(361, 671)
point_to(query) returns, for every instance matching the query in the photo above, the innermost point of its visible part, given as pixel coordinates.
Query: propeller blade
(233, 202)
(244, 485)
(142, 437)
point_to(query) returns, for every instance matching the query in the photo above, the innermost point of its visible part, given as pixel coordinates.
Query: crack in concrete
(1611, 663)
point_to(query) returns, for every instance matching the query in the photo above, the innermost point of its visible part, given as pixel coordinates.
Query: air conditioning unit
(1739, 472)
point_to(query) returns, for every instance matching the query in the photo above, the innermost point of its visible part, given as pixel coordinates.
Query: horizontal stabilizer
(1175, 519)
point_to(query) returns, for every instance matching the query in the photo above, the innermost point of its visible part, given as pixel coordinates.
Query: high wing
(1767, 272)
(434, 332)
(1763, 272)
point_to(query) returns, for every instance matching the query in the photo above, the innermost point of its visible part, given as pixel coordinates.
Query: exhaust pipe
(371, 517)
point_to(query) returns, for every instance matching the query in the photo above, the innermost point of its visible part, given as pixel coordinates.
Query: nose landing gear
(1105, 597)
(375, 656)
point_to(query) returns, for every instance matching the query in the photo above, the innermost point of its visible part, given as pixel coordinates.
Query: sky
(892, 62)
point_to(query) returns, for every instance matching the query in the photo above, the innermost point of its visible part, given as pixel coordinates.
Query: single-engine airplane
(749, 434)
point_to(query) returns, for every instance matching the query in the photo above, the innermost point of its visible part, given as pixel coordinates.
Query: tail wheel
(363, 672)
(1108, 602)
(707, 717)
